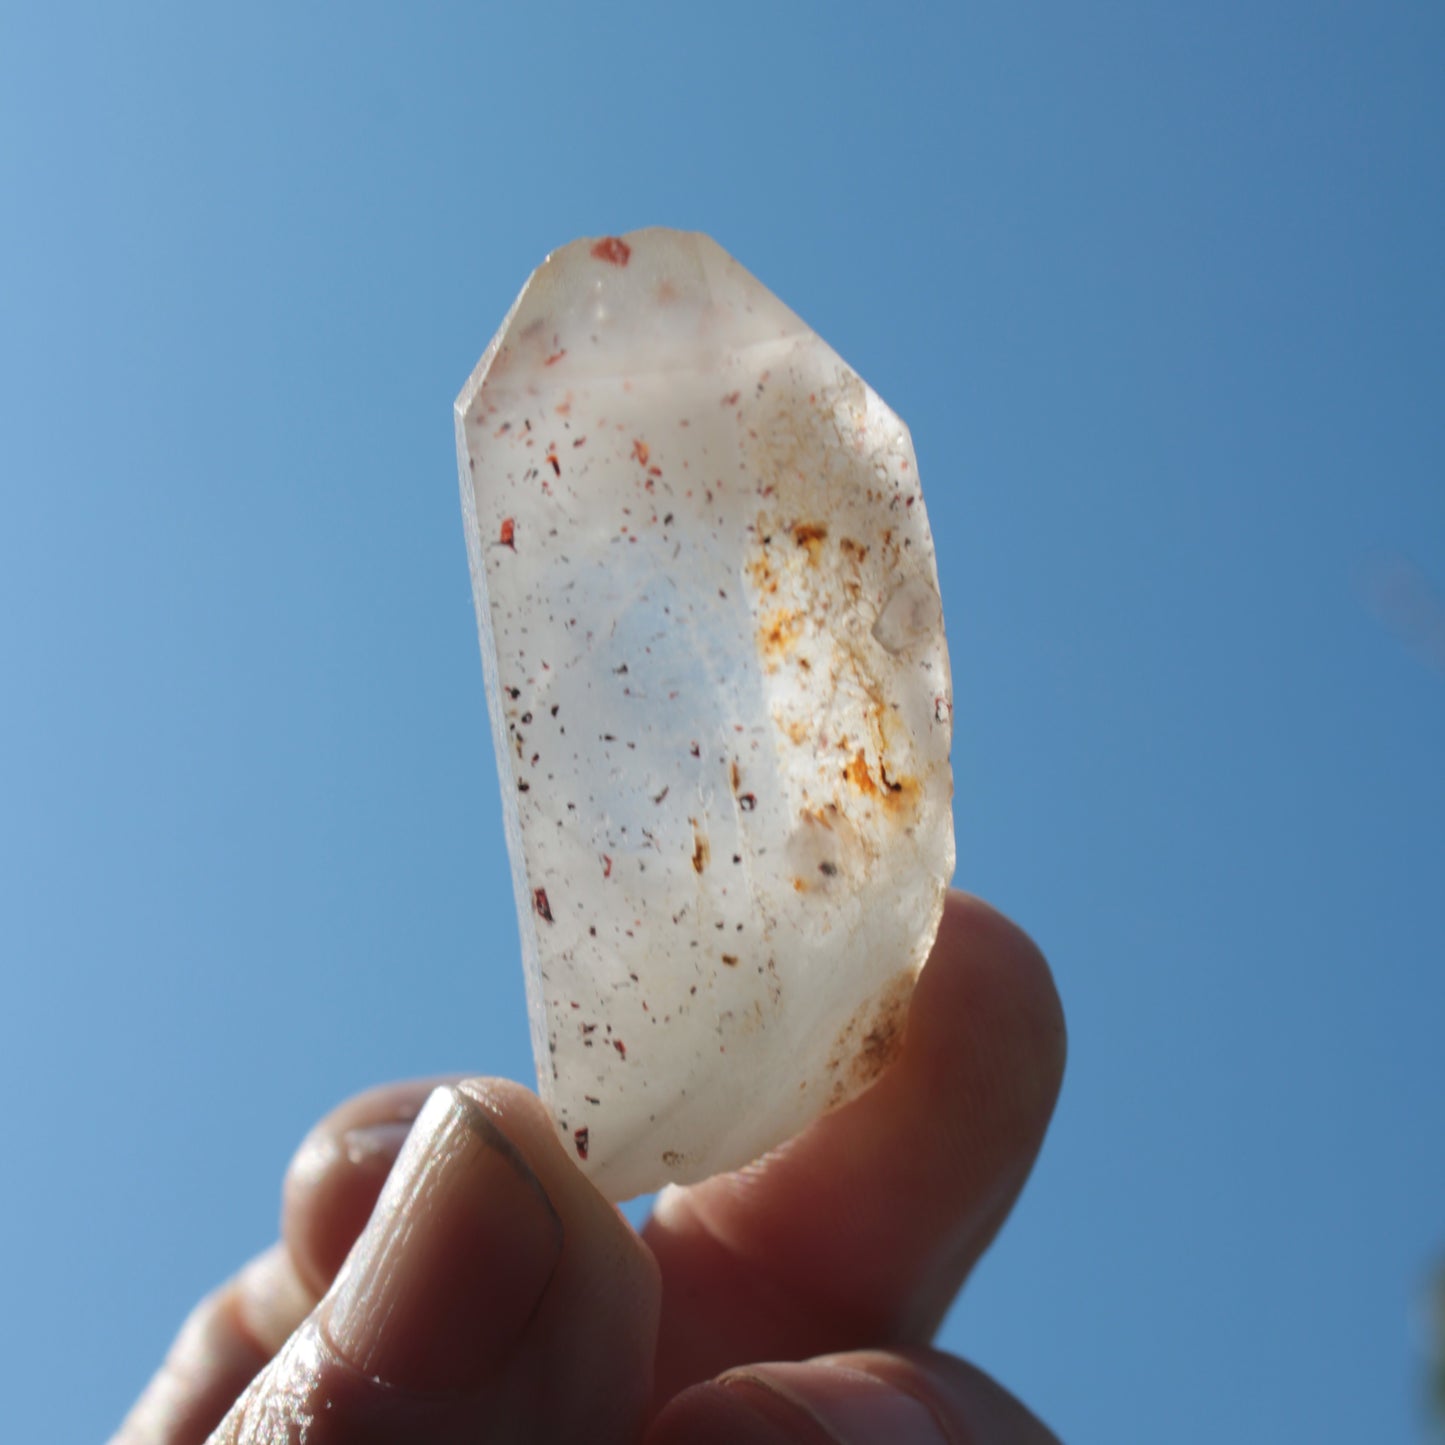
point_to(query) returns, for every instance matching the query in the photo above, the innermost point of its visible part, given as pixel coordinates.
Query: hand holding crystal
(446, 1272)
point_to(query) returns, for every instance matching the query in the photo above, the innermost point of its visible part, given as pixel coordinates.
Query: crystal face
(720, 699)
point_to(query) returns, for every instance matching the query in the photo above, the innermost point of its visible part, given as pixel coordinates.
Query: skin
(471, 1285)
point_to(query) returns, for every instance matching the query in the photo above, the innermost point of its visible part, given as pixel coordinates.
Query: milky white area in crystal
(720, 700)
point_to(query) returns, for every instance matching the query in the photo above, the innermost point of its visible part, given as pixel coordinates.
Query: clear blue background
(1160, 290)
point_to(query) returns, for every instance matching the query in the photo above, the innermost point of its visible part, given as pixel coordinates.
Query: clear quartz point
(720, 698)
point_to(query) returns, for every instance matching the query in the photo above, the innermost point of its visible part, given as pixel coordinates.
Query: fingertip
(714, 1413)
(461, 1249)
(518, 1113)
(524, 1119)
(271, 1299)
(336, 1175)
(973, 1405)
(988, 993)
(601, 1315)
(995, 944)
(812, 1403)
(920, 1397)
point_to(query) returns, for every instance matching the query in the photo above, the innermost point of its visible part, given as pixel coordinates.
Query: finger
(331, 1186)
(489, 1271)
(861, 1230)
(913, 1398)
(335, 1177)
(222, 1346)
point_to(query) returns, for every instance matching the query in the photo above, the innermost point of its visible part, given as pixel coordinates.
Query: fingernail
(848, 1406)
(454, 1261)
(369, 1143)
(370, 1149)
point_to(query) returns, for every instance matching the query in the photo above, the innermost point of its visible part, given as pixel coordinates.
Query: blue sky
(1159, 290)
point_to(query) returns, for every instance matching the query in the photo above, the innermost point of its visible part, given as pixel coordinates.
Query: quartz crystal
(720, 699)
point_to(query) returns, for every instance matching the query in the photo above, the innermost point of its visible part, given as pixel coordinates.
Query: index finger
(860, 1231)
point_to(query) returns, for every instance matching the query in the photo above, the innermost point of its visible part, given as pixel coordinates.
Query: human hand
(488, 1293)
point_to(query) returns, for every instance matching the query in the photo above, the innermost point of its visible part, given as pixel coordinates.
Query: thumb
(489, 1273)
